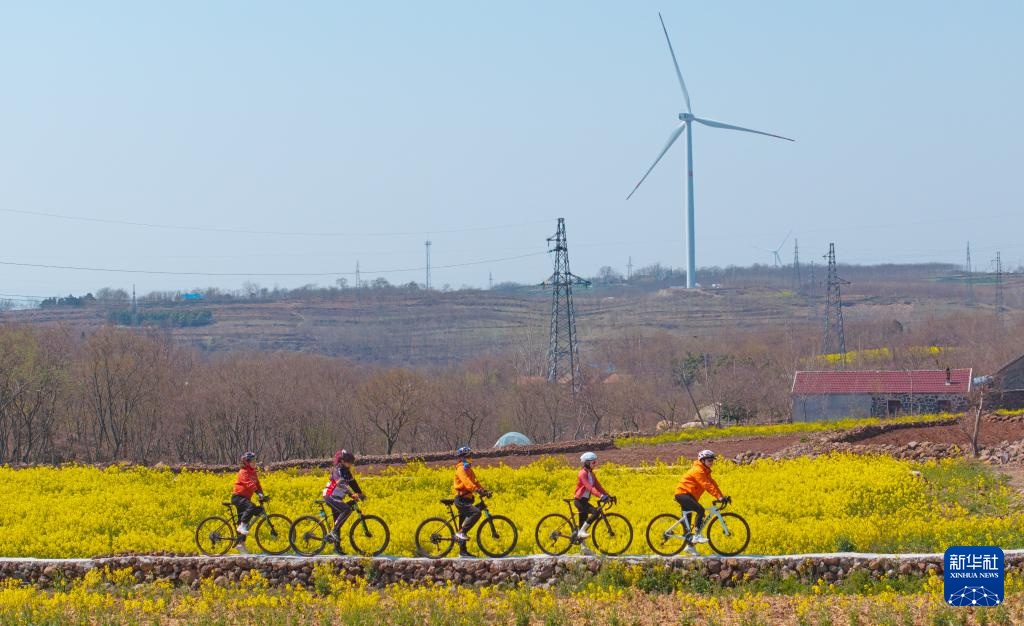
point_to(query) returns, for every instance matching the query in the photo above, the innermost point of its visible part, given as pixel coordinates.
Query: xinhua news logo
(974, 576)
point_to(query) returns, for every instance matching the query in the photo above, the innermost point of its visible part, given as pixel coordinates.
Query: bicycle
(216, 535)
(611, 532)
(728, 534)
(368, 534)
(495, 534)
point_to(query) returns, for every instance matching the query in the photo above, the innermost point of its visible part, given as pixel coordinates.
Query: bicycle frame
(453, 516)
(334, 526)
(233, 513)
(713, 512)
(602, 508)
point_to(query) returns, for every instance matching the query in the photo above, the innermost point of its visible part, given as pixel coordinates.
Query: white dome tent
(512, 439)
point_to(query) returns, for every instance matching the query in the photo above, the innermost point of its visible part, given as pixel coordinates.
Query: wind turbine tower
(686, 120)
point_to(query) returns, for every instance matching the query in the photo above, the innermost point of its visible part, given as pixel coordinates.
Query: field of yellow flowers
(113, 597)
(839, 502)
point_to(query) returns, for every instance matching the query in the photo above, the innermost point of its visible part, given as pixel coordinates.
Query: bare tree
(392, 401)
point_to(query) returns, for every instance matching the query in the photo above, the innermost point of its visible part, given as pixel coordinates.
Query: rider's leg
(468, 513)
(245, 509)
(341, 511)
(588, 513)
(689, 503)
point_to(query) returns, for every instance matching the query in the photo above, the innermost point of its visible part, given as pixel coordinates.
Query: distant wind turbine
(775, 252)
(686, 122)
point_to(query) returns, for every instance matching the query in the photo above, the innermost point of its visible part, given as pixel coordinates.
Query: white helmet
(588, 457)
(705, 454)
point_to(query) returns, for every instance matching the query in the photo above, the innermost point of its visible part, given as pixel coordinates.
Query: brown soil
(992, 433)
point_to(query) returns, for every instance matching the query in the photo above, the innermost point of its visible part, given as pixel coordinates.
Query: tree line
(135, 394)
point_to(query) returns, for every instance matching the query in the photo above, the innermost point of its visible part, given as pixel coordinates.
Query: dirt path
(633, 456)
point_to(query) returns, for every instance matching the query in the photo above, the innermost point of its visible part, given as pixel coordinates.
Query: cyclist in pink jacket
(587, 485)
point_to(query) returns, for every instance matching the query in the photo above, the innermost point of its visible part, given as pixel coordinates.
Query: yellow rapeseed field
(840, 502)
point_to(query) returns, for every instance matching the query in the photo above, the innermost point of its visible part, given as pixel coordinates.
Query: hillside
(416, 327)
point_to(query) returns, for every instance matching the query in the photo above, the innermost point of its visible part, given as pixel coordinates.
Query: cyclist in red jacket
(341, 484)
(247, 484)
(587, 484)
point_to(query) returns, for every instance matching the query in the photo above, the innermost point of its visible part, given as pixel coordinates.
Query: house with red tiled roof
(821, 396)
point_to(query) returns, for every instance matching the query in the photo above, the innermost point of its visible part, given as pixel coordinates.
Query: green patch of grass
(774, 430)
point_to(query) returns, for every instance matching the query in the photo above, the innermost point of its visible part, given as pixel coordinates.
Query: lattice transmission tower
(796, 266)
(970, 281)
(563, 351)
(835, 339)
(999, 286)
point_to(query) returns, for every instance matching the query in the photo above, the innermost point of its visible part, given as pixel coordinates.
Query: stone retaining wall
(534, 571)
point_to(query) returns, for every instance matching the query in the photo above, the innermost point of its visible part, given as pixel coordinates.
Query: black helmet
(463, 452)
(344, 455)
(248, 456)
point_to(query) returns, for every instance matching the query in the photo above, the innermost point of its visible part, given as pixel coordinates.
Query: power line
(265, 274)
(241, 231)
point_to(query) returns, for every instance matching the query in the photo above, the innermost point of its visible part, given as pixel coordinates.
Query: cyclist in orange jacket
(465, 486)
(247, 484)
(691, 487)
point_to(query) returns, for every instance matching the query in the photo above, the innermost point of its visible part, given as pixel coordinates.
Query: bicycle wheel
(729, 536)
(272, 533)
(215, 536)
(369, 535)
(307, 536)
(434, 538)
(612, 534)
(554, 534)
(497, 536)
(666, 535)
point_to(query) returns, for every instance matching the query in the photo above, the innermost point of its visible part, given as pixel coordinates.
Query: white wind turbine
(775, 252)
(686, 123)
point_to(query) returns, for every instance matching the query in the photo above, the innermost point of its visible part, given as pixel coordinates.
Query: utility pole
(358, 282)
(999, 287)
(796, 266)
(970, 281)
(490, 280)
(135, 308)
(428, 264)
(629, 269)
(835, 339)
(562, 345)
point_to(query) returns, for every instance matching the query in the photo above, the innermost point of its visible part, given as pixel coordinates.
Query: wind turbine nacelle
(685, 117)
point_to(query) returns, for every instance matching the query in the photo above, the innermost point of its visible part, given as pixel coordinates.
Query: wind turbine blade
(783, 242)
(668, 144)
(715, 124)
(682, 83)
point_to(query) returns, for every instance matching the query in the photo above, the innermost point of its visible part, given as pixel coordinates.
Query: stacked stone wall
(534, 571)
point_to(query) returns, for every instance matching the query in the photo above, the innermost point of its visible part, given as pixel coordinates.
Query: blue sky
(334, 132)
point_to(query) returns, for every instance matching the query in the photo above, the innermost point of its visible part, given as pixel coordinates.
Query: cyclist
(466, 485)
(587, 484)
(247, 483)
(341, 484)
(691, 487)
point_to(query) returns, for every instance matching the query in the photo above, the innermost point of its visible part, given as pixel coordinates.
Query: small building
(831, 395)
(1006, 387)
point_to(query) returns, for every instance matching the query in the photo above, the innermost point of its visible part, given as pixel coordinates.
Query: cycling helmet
(705, 454)
(464, 451)
(344, 455)
(248, 456)
(588, 457)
